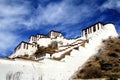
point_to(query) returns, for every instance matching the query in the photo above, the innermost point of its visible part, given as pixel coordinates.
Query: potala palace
(57, 66)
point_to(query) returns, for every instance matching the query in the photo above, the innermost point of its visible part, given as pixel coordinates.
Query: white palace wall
(24, 49)
(50, 69)
(97, 29)
(92, 33)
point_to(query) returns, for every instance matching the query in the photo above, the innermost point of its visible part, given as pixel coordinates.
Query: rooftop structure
(30, 47)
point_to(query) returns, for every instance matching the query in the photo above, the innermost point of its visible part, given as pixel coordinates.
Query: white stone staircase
(75, 44)
(77, 58)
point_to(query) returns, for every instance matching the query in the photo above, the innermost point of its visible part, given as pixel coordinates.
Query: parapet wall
(89, 32)
(24, 48)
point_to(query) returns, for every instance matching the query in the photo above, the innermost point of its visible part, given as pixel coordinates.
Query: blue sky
(21, 18)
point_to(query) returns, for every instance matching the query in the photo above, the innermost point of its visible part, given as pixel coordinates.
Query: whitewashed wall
(56, 70)
(27, 50)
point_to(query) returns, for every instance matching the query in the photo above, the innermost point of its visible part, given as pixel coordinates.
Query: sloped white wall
(56, 70)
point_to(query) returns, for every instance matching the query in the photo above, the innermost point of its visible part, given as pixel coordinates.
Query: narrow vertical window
(94, 29)
(27, 46)
(90, 30)
(23, 45)
(98, 26)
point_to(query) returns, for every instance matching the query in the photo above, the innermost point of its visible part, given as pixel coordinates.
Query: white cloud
(12, 14)
(62, 12)
(111, 4)
(10, 11)
(11, 17)
(16, 13)
(7, 42)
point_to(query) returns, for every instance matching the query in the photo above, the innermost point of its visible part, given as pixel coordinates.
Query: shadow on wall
(13, 76)
(18, 76)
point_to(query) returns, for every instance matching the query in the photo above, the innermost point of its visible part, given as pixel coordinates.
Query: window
(27, 46)
(23, 45)
(86, 32)
(94, 29)
(90, 30)
(98, 26)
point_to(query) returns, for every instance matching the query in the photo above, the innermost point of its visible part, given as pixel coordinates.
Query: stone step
(74, 53)
(67, 58)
